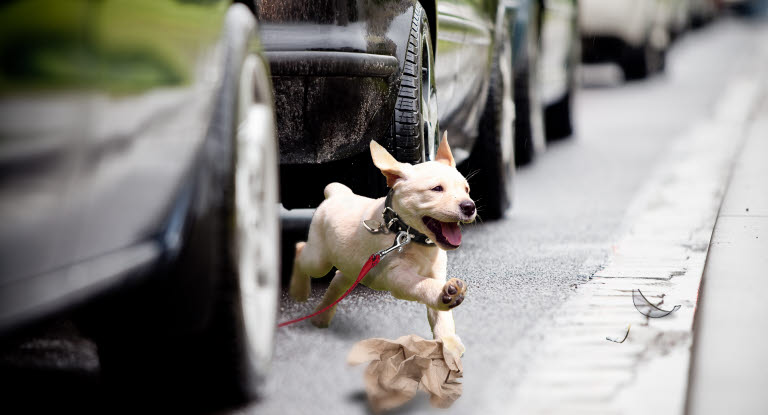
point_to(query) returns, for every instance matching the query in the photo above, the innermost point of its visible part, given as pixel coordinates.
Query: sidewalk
(663, 251)
(729, 367)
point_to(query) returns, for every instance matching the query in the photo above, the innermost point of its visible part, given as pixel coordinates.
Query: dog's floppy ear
(392, 169)
(444, 152)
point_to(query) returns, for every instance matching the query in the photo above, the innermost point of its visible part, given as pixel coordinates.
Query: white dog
(428, 200)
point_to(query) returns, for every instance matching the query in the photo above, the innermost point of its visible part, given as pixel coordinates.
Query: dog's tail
(335, 188)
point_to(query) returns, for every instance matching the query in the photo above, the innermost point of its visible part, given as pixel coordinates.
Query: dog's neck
(395, 223)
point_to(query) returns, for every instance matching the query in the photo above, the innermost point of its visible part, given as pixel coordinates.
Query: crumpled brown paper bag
(399, 368)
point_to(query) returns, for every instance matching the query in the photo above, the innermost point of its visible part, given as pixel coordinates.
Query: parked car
(546, 54)
(679, 17)
(635, 34)
(560, 57)
(349, 72)
(139, 189)
(703, 11)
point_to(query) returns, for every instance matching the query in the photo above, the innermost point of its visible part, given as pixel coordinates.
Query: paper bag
(399, 368)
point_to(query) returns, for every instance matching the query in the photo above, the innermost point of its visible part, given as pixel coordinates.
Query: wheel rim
(256, 218)
(428, 106)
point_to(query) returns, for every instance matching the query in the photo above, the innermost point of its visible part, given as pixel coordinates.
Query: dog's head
(432, 197)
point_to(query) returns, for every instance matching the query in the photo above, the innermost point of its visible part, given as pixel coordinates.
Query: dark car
(351, 71)
(138, 191)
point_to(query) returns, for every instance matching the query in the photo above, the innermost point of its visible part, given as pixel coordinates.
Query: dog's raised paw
(453, 292)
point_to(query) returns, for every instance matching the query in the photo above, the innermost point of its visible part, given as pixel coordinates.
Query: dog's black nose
(467, 207)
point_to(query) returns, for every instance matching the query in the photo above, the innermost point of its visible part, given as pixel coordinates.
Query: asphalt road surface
(568, 211)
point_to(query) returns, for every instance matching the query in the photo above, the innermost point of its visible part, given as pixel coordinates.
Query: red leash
(402, 239)
(372, 262)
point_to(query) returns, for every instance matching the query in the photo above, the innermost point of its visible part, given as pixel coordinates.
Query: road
(571, 207)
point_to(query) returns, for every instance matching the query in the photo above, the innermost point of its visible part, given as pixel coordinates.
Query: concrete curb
(729, 359)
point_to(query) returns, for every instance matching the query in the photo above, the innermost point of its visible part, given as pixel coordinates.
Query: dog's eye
(437, 188)
(467, 189)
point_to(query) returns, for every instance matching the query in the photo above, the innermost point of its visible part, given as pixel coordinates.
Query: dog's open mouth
(446, 233)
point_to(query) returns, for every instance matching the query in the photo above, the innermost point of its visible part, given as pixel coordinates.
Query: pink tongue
(451, 232)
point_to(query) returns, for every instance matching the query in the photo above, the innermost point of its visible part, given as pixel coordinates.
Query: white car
(633, 33)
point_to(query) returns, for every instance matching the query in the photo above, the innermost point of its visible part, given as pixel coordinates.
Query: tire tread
(407, 116)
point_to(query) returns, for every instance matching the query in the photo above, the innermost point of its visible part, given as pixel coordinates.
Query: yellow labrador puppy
(427, 200)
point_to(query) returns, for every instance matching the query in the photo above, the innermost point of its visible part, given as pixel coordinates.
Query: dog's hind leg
(309, 262)
(339, 285)
(300, 282)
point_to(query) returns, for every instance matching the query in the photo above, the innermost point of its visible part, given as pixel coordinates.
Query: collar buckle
(395, 224)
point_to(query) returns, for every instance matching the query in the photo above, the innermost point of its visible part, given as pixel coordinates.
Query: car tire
(529, 116)
(201, 334)
(415, 126)
(638, 62)
(557, 118)
(493, 157)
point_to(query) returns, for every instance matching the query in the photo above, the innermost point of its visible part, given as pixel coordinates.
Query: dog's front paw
(454, 345)
(453, 293)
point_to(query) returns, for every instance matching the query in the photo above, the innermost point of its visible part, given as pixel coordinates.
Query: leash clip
(403, 239)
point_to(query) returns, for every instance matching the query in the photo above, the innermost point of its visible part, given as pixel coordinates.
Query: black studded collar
(395, 224)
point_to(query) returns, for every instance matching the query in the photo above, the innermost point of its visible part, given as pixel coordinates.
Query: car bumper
(627, 20)
(330, 102)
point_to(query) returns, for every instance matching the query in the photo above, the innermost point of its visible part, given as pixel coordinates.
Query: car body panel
(629, 20)
(146, 130)
(522, 29)
(324, 117)
(635, 23)
(701, 11)
(559, 49)
(464, 40)
(102, 162)
(361, 95)
(42, 137)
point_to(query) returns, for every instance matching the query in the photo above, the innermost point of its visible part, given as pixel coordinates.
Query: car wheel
(201, 334)
(641, 61)
(529, 118)
(415, 118)
(493, 158)
(254, 246)
(558, 117)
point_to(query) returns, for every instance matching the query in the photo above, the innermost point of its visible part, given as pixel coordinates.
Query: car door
(450, 39)
(42, 138)
(150, 111)
(465, 30)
